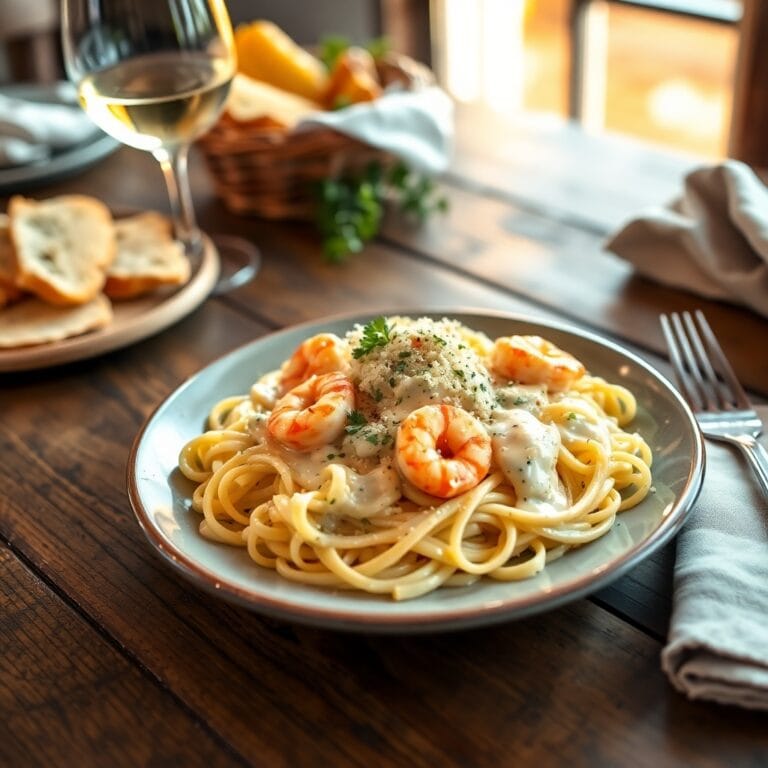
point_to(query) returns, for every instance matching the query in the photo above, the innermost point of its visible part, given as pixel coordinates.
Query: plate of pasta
(415, 471)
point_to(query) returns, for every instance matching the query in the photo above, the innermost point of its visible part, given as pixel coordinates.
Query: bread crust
(33, 321)
(147, 257)
(9, 290)
(62, 245)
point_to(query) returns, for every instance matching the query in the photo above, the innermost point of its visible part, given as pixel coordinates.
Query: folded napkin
(713, 241)
(416, 126)
(30, 130)
(718, 640)
(19, 152)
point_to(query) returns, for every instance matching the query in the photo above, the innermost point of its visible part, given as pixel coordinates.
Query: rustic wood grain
(580, 686)
(68, 697)
(556, 167)
(644, 595)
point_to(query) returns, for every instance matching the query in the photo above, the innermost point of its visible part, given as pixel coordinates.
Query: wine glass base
(240, 263)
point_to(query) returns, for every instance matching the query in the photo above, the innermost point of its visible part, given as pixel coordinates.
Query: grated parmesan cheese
(425, 362)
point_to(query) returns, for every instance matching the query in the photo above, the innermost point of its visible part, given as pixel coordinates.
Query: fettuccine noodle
(415, 454)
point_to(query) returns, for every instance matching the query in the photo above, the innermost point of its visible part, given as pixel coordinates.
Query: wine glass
(154, 74)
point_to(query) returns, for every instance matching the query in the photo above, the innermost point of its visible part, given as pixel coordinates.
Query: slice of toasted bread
(9, 291)
(32, 321)
(147, 257)
(62, 246)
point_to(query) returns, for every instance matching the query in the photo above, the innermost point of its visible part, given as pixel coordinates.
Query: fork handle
(757, 457)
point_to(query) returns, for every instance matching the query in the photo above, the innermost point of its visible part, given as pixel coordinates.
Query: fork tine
(706, 400)
(716, 386)
(739, 396)
(736, 422)
(674, 339)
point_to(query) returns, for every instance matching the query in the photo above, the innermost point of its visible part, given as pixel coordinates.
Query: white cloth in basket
(416, 126)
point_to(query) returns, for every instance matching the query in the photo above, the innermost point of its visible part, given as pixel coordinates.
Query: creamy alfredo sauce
(526, 450)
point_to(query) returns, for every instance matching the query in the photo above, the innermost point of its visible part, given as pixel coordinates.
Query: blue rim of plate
(381, 614)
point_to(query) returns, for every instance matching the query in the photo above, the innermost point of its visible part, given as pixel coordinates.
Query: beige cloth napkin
(712, 241)
(718, 640)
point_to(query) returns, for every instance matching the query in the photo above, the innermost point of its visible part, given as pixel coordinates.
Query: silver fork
(707, 381)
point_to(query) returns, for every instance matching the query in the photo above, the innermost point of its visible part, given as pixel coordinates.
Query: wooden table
(107, 657)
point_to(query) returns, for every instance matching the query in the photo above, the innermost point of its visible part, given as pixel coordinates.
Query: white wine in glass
(154, 74)
(130, 101)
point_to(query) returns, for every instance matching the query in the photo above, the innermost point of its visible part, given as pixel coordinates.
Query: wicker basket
(273, 173)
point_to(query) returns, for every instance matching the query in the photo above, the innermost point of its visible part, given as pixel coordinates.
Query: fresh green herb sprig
(350, 210)
(333, 46)
(348, 215)
(376, 333)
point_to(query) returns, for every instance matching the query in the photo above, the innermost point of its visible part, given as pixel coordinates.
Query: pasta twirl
(417, 453)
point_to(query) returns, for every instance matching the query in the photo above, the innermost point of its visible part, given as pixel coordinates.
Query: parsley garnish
(375, 334)
(350, 208)
(355, 422)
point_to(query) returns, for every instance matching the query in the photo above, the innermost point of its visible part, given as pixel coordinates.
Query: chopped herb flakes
(355, 422)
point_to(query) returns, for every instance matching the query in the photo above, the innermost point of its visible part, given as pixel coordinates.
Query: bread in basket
(260, 163)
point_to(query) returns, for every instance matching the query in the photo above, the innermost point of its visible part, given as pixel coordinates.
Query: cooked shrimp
(314, 413)
(442, 450)
(324, 353)
(533, 360)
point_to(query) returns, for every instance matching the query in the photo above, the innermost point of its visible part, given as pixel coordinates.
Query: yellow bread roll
(266, 53)
(353, 79)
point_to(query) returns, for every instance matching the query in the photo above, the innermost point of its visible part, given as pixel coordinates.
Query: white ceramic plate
(160, 495)
(134, 319)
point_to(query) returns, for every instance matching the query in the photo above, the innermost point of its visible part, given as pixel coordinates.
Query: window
(660, 70)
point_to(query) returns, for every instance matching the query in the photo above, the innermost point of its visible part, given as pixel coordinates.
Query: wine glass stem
(173, 162)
